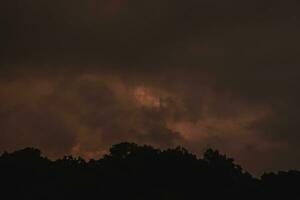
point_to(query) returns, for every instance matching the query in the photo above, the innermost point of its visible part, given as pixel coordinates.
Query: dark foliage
(134, 172)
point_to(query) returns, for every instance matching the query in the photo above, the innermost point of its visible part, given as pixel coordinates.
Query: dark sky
(77, 76)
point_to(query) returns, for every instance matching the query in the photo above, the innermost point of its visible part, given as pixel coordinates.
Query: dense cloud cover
(77, 76)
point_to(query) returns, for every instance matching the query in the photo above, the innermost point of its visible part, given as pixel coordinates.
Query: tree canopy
(131, 171)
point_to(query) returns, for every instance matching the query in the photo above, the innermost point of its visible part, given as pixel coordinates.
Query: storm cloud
(78, 76)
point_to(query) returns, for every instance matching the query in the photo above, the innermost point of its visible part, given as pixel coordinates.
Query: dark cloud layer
(77, 76)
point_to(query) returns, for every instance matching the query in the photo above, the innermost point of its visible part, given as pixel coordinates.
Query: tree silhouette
(131, 171)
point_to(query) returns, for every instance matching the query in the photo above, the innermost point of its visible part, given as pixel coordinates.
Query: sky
(77, 76)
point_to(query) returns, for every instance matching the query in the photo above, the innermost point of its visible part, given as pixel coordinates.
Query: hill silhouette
(130, 171)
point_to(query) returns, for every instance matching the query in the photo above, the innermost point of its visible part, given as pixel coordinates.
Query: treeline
(134, 172)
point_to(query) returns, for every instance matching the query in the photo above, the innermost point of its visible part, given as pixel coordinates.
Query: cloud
(78, 76)
(85, 112)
